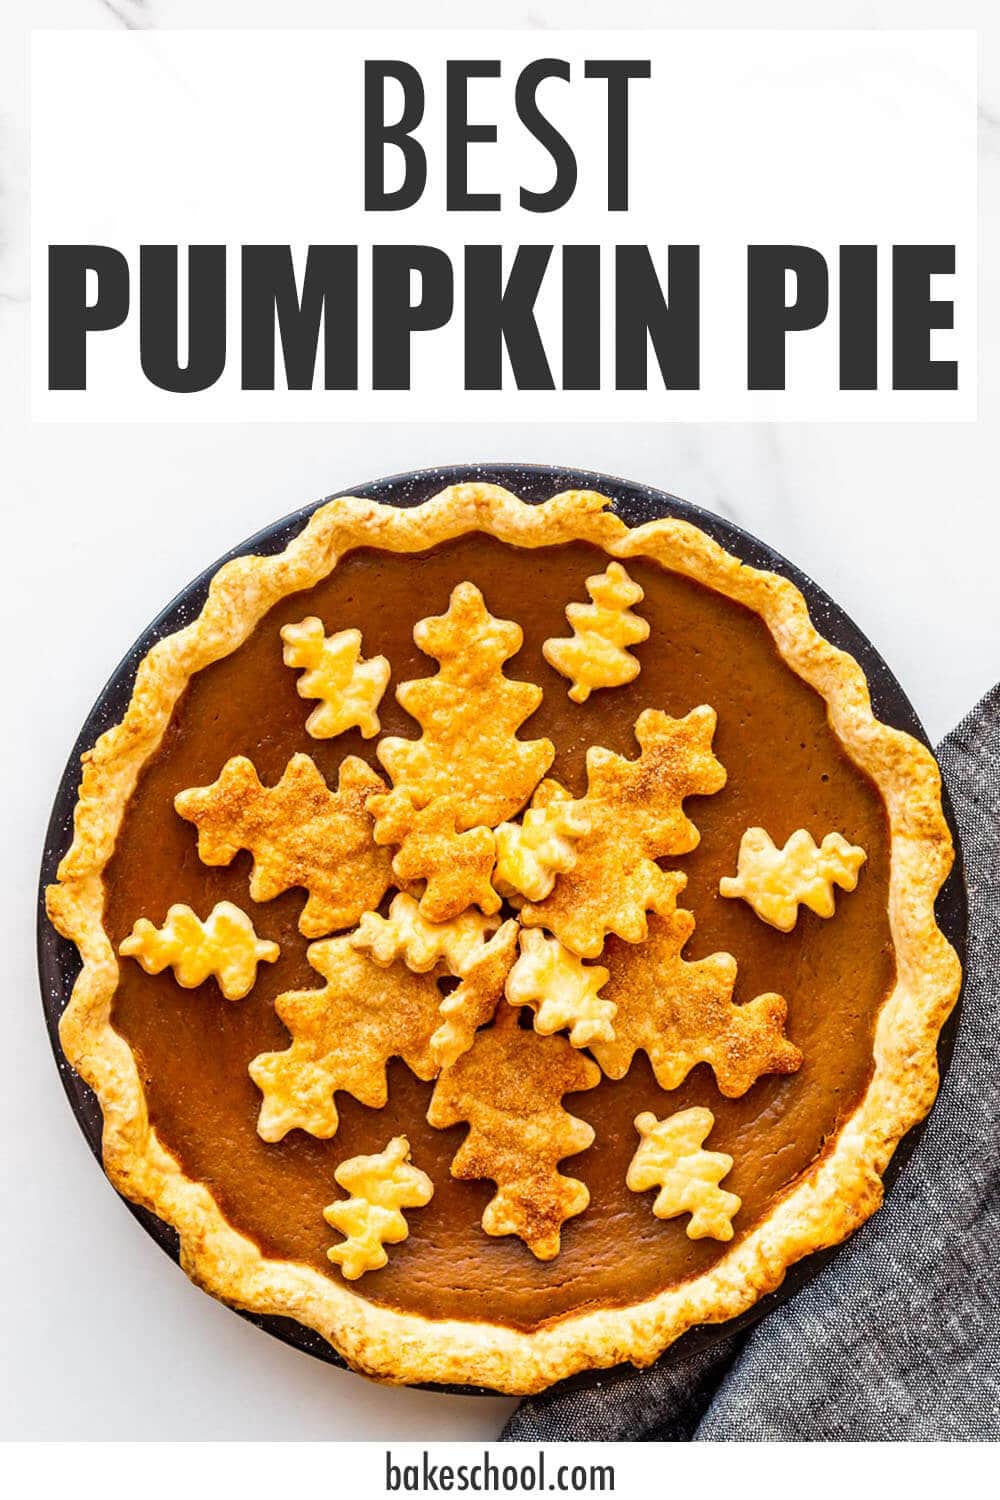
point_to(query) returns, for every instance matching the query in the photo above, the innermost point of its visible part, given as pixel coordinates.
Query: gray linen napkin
(899, 1338)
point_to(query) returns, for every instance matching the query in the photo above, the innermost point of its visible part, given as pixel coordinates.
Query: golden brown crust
(636, 813)
(681, 1012)
(299, 832)
(827, 1203)
(508, 1088)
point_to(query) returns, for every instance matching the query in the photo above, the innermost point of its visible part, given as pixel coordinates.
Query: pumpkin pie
(507, 937)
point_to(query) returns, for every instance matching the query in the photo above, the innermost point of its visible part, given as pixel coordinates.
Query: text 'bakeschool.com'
(489, 1476)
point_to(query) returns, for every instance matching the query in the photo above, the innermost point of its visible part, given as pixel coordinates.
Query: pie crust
(827, 1202)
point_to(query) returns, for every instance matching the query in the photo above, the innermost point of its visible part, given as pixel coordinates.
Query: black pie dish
(59, 963)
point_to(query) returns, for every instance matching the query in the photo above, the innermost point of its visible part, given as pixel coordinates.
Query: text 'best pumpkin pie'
(508, 938)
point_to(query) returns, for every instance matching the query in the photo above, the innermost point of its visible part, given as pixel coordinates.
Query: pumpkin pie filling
(786, 771)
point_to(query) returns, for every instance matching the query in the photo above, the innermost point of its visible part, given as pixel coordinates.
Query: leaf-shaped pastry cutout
(532, 853)
(670, 1157)
(300, 833)
(636, 812)
(381, 1186)
(224, 947)
(470, 713)
(475, 1000)
(509, 1088)
(349, 689)
(343, 1035)
(681, 1014)
(775, 882)
(455, 867)
(597, 654)
(405, 933)
(562, 991)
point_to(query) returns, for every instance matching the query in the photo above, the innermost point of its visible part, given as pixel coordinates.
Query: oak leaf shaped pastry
(456, 867)
(562, 991)
(224, 947)
(670, 1157)
(343, 1035)
(775, 882)
(636, 814)
(381, 1186)
(470, 713)
(530, 854)
(474, 1002)
(682, 1013)
(348, 688)
(300, 833)
(405, 933)
(509, 1088)
(597, 655)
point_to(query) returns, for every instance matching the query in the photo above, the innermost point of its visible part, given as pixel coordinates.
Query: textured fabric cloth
(899, 1338)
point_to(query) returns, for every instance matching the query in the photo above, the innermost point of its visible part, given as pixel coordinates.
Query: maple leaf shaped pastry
(530, 854)
(775, 882)
(562, 990)
(475, 1001)
(380, 1186)
(597, 655)
(224, 947)
(509, 1088)
(681, 1014)
(456, 867)
(405, 933)
(348, 688)
(636, 814)
(470, 713)
(343, 1035)
(300, 833)
(670, 1157)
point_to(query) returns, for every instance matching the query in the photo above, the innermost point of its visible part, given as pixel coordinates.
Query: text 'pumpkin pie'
(475, 993)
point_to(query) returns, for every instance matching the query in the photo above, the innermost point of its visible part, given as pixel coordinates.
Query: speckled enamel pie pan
(512, 587)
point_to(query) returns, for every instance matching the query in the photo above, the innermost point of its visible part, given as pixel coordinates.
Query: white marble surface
(901, 524)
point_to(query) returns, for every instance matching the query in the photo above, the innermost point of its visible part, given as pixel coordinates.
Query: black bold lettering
(858, 317)
(329, 299)
(459, 135)
(643, 315)
(499, 314)
(159, 317)
(914, 314)
(395, 317)
(581, 318)
(618, 74)
(545, 133)
(378, 135)
(770, 317)
(70, 316)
